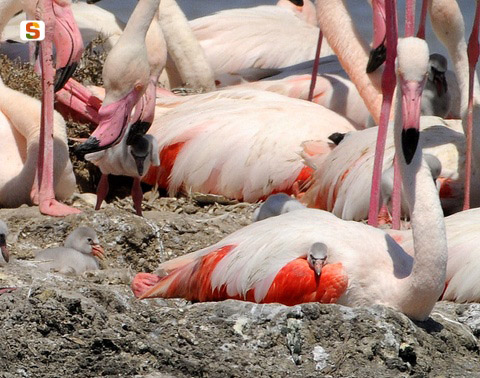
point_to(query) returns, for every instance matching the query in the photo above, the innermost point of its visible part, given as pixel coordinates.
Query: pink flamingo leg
(102, 191)
(423, 19)
(137, 196)
(396, 194)
(388, 87)
(410, 18)
(473, 51)
(44, 175)
(316, 62)
(397, 176)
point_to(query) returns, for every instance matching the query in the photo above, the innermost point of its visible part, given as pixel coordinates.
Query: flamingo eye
(90, 240)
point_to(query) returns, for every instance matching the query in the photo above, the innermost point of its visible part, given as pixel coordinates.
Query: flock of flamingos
(259, 126)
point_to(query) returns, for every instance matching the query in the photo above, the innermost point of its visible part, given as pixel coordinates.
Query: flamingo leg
(388, 87)
(137, 196)
(316, 62)
(396, 194)
(102, 191)
(473, 52)
(43, 189)
(423, 20)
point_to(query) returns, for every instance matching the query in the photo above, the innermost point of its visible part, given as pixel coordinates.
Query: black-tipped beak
(298, 3)
(337, 138)
(63, 74)
(411, 101)
(92, 1)
(377, 57)
(92, 144)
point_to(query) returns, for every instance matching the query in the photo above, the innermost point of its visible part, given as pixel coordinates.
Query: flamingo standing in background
(267, 262)
(126, 74)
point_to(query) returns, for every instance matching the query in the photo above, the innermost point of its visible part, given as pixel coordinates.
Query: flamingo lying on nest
(333, 261)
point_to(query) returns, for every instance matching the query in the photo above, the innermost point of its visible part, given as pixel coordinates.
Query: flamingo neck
(8, 9)
(351, 50)
(419, 292)
(156, 48)
(183, 47)
(140, 21)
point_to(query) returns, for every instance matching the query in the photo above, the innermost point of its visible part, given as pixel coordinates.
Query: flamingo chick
(267, 261)
(3, 241)
(76, 256)
(276, 204)
(436, 99)
(131, 158)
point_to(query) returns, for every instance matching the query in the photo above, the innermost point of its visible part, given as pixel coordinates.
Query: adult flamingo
(267, 262)
(447, 14)
(261, 37)
(19, 131)
(341, 180)
(126, 74)
(61, 29)
(257, 137)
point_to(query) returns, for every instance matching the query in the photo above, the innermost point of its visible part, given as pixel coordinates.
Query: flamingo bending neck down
(267, 261)
(126, 74)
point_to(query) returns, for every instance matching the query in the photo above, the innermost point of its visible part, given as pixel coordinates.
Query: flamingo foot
(143, 282)
(384, 216)
(54, 208)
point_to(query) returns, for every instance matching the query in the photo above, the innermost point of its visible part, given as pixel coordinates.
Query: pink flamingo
(261, 37)
(341, 180)
(126, 75)
(267, 262)
(447, 14)
(61, 29)
(257, 137)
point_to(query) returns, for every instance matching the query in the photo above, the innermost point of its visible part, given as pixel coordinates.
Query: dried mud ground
(89, 326)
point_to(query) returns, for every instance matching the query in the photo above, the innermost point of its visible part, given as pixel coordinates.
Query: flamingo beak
(98, 251)
(378, 55)
(139, 162)
(68, 42)
(317, 266)
(411, 106)
(113, 124)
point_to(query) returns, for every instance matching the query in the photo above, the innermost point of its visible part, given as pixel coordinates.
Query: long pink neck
(351, 50)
